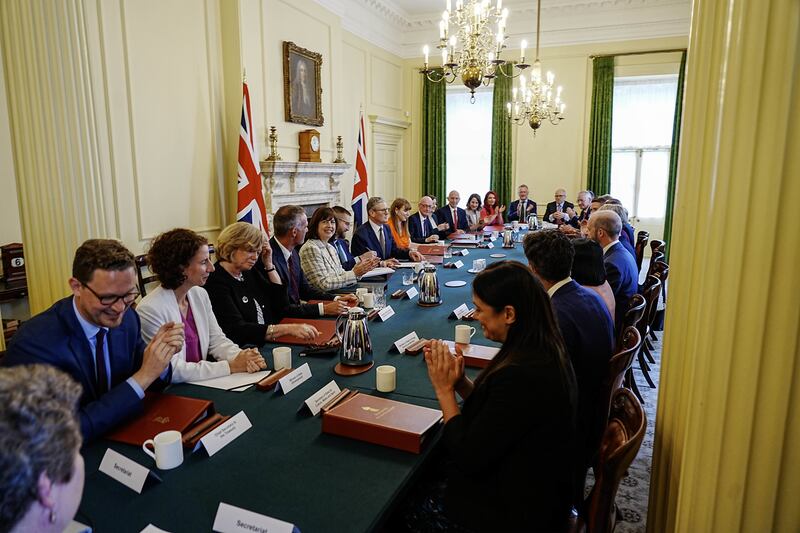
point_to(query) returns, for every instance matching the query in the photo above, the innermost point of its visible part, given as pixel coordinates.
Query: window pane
(653, 189)
(469, 142)
(644, 109)
(623, 177)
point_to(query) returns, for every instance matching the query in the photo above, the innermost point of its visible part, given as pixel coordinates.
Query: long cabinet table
(284, 466)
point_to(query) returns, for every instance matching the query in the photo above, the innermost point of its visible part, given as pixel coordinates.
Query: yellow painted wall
(557, 156)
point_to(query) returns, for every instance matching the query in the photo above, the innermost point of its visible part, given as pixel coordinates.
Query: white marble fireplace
(310, 185)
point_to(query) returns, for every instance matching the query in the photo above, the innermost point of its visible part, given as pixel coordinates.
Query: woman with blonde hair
(249, 302)
(399, 212)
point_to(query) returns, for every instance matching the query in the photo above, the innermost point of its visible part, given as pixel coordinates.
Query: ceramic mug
(167, 449)
(464, 333)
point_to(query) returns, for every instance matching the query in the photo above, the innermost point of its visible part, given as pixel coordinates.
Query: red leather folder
(475, 355)
(163, 412)
(380, 421)
(432, 249)
(327, 329)
(434, 259)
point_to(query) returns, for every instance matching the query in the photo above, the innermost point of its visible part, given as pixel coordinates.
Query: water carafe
(353, 334)
(429, 286)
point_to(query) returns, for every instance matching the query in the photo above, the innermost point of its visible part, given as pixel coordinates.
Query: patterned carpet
(634, 488)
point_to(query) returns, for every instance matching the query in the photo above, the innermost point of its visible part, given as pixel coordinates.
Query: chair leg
(630, 382)
(645, 370)
(649, 343)
(653, 335)
(646, 351)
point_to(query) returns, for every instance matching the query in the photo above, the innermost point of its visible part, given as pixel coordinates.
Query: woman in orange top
(398, 222)
(491, 215)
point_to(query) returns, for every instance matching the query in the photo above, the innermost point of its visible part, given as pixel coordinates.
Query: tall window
(469, 141)
(644, 109)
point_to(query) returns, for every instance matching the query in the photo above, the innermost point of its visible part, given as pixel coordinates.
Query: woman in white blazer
(180, 260)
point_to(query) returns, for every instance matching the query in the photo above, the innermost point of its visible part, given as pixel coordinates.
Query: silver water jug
(429, 286)
(533, 223)
(353, 334)
(508, 238)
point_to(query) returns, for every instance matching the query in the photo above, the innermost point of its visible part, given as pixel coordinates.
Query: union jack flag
(360, 179)
(250, 207)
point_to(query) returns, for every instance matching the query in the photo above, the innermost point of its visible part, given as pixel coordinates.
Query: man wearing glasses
(95, 337)
(375, 235)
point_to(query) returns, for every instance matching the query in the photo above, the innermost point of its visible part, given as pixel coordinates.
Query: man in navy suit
(95, 337)
(290, 224)
(344, 220)
(453, 216)
(524, 207)
(621, 272)
(585, 203)
(375, 235)
(588, 334)
(558, 212)
(422, 225)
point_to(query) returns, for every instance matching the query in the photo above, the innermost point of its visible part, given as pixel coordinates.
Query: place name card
(386, 313)
(464, 252)
(126, 471)
(231, 519)
(411, 293)
(150, 529)
(76, 527)
(291, 380)
(459, 263)
(490, 245)
(401, 344)
(321, 397)
(460, 311)
(226, 433)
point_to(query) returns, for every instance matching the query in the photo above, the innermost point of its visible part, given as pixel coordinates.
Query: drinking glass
(379, 301)
(408, 276)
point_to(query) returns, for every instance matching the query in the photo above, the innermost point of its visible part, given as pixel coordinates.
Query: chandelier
(535, 102)
(472, 51)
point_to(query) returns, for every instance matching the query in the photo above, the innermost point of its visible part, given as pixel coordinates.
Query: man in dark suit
(344, 221)
(588, 334)
(95, 337)
(585, 203)
(375, 235)
(556, 212)
(621, 271)
(290, 224)
(524, 207)
(453, 216)
(422, 225)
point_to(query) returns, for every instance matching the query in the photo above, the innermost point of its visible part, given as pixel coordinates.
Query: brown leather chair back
(622, 360)
(636, 310)
(657, 245)
(146, 277)
(641, 243)
(651, 290)
(620, 444)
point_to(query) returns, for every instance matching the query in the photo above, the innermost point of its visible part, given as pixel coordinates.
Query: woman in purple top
(180, 259)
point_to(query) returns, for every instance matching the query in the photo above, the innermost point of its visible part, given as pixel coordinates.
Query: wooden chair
(641, 243)
(146, 277)
(620, 444)
(636, 310)
(657, 245)
(652, 288)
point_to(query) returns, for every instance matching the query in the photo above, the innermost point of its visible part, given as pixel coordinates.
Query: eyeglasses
(384, 210)
(111, 299)
(344, 221)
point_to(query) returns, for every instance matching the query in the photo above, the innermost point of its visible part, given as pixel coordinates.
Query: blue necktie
(427, 229)
(100, 362)
(340, 249)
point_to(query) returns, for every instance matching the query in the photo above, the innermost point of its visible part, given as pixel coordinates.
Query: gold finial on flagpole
(244, 75)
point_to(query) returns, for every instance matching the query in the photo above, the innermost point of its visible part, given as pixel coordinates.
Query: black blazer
(511, 451)
(55, 337)
(364, 239)
(551, 208)
(575, 222)
(349, 261)
(513, 211)
(588, 333)
(445, 214)
(234, 304)
(415, 228)
(305, 290)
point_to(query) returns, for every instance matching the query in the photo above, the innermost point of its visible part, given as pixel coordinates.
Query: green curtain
(501, 170)
(673, 154)
(434, 139)
(598, 177)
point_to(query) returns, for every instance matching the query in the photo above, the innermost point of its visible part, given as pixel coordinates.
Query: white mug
(168, 449)
(464, 333)
(282, 357)
(360, 292)
(369, 300)
(386, 378)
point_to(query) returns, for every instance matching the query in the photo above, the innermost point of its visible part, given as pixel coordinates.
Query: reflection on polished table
(284, 466)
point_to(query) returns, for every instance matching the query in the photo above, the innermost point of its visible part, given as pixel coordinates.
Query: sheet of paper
(236, 382)
(409, 264)
(380, 271)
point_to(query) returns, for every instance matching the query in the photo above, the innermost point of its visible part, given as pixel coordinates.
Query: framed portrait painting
(302, 90)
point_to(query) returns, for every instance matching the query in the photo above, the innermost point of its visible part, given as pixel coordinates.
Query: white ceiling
(404, 26)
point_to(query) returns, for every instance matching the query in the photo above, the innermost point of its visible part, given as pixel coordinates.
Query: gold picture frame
(302, 91)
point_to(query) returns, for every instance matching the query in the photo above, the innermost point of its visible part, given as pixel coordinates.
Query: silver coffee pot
(353, 334)
(533, 223)
(429, 286)
(508, 238)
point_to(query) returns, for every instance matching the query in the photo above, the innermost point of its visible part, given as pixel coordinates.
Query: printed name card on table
(459, 312)
(463, 252)
(411, 293)
(321, 397)
(490, 245)
(293, 379)
(126, 471)
(401, 344)
(386, 313)
(232, 519)
(459, 263)
(153, 529)
(226, 433)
